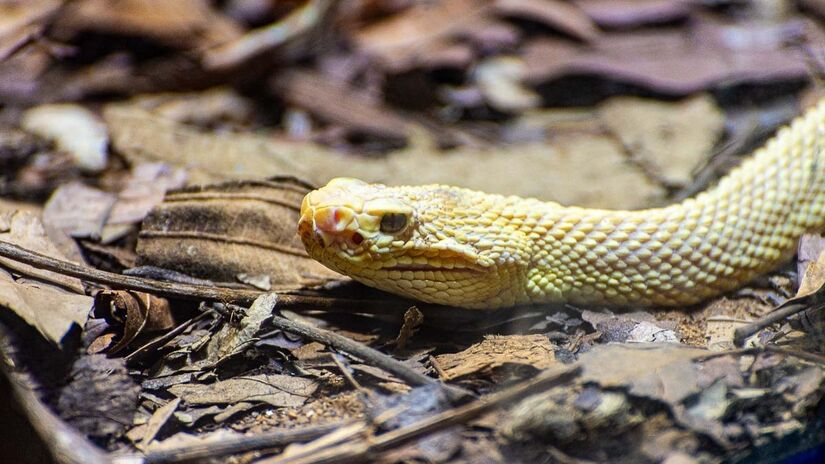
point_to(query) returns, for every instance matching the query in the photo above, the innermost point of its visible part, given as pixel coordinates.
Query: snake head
(394, 239)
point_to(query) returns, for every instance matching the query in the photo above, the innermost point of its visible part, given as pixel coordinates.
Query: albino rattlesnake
(458, 247)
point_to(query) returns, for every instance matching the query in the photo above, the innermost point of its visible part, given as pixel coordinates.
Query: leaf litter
(588, 102)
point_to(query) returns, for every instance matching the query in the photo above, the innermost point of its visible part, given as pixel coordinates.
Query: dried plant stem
(363, 450)
(352, 347)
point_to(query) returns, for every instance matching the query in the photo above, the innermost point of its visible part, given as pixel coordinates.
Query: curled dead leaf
(138, 313)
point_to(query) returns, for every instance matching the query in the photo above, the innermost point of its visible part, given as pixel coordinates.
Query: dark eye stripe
(392, 223)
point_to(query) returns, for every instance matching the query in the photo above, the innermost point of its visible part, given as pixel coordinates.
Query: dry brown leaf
(563, 16)
(46, 305)
(275, 390)
(74, 129)
(633, 327)
(811, 264)
(630, 13)
(182, 23)
(77, 210)
(495, 351)
(565, 170)
(336, 102)
(267, 38)
(20, 72)
(21, 22)
(667, 61)
(222, 231)
(141, 137)
(660, 371)
(400, 39)
(723, 316)
(671, 139)
(137, 313)
(10, 206)
(144, 189)
(24, 229)
(233, 338)
(159, 418)
(207, 108)
(51, 311)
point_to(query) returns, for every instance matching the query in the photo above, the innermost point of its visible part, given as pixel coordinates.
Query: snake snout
(327, 225)
(332, 219)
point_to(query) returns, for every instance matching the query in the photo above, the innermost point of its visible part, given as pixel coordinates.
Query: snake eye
(392, 223)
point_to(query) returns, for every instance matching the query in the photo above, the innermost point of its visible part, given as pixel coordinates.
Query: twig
(157, 342)
(359, 350)
(175, 290)
(63, 443)
(363, 450)
(745, 331)
(436, 315)
(345, 371)
(240, 444)
(812, 357)
(189, 291)
(331, 442)
(266, 38)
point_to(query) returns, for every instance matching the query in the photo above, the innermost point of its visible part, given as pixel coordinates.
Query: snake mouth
(427, 267)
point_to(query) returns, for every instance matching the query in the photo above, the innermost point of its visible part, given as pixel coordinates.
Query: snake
(453, 246)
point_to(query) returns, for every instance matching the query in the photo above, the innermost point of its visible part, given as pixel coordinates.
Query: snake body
(458, 247)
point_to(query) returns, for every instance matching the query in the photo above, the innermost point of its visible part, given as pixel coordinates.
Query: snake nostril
(357, 238)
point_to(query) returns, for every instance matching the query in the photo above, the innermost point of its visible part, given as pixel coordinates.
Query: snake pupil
(393, 222)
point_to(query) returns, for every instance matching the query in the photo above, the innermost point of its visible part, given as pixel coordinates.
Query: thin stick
(361, 452)
(812, 357)
(745, 331)
(359, 350)
(239, 444)
(183, 290)
(63, 443)
(348, 375)
(439, 316)
(175, 290)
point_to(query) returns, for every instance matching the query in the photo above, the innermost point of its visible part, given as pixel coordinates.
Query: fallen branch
(781, 313)
(358, 350)
(461, 319)
(186, 291)
(167, 289)
(63, 443)
(239, 444)
(364, 450)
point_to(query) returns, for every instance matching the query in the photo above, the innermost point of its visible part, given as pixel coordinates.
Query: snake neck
(682, 254)
(463, 248)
